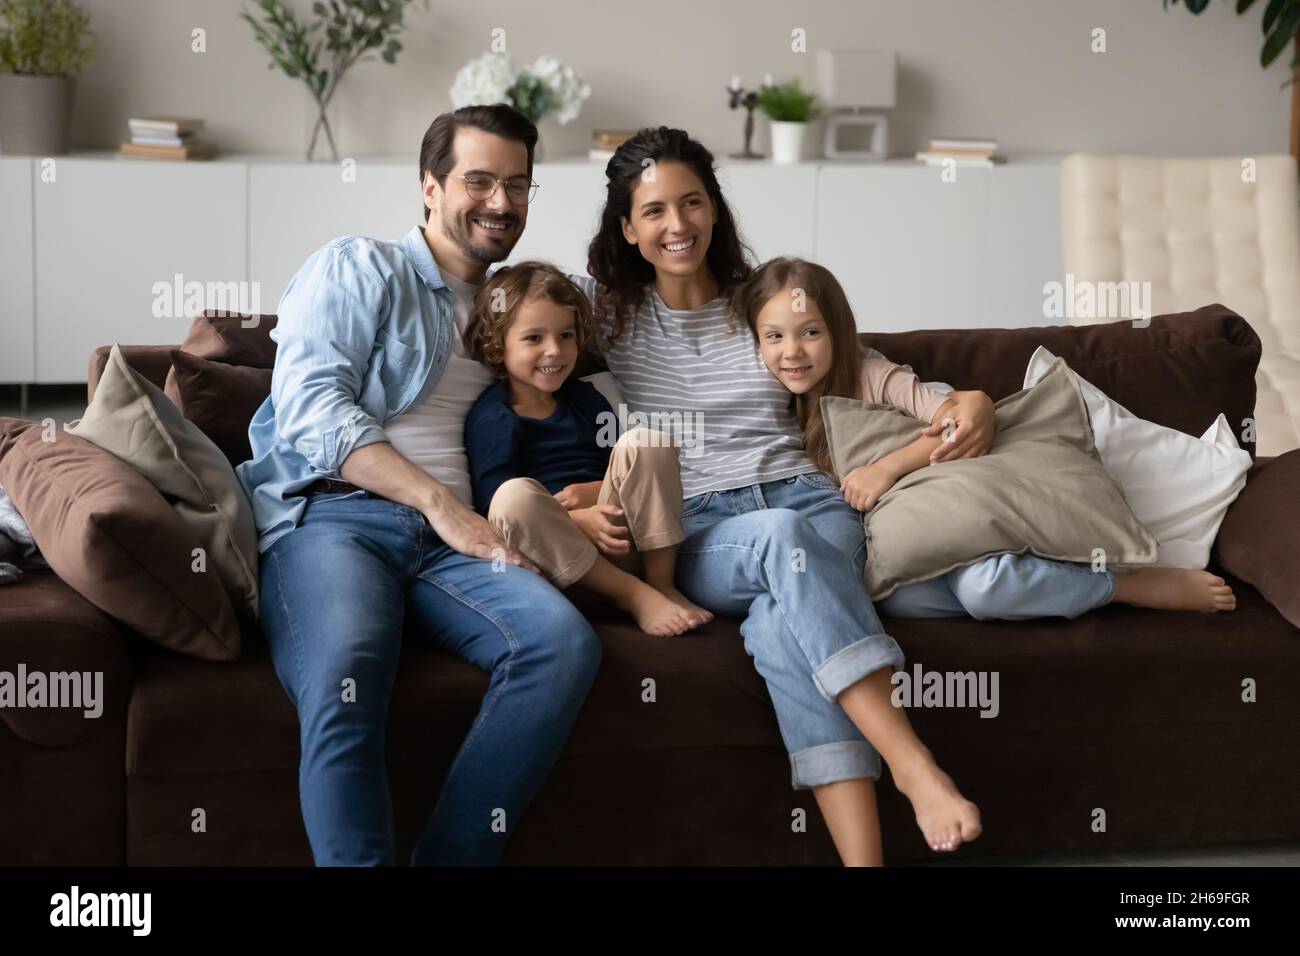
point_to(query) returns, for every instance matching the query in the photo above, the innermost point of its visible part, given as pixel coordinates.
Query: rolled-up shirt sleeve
(329, 317)
(885, 383)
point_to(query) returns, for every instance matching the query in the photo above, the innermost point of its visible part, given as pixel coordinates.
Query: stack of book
(606, 141)
(963, 152)
(166, 137)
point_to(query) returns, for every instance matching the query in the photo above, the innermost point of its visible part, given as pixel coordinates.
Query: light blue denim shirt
(364, 331)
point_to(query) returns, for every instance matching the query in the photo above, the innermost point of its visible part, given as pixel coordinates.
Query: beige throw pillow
(131, 418)
(1041, 489)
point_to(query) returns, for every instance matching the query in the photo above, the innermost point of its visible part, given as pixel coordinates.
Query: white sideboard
(82, 251)
(17, 275)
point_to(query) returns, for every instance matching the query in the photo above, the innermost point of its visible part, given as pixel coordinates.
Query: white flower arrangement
(548, 86)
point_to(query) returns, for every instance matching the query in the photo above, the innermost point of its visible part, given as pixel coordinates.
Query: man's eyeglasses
(520, 190)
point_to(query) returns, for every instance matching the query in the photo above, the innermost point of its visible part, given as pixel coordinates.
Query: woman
(768, 538)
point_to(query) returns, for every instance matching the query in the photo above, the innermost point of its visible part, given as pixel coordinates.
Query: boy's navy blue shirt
(557, 451)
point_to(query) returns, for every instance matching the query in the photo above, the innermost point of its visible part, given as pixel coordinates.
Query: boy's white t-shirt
(432, 433)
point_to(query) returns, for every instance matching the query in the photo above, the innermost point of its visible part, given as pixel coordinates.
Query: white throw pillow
(605, 383)
(1180, 487)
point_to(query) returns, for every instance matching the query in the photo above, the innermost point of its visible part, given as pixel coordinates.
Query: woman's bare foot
(655, 613)
(946, 818)
(698, 615)
(1174, 589)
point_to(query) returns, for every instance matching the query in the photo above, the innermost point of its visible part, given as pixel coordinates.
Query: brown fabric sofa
(1138, 713)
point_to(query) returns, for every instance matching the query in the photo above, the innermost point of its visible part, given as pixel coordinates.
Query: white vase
(787, 141)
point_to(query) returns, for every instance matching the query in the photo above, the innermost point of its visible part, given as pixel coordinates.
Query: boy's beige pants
(643, 478)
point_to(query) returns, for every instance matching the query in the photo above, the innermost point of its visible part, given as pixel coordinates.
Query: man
(361, 493)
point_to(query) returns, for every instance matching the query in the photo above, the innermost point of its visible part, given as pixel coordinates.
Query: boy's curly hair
(501, 297)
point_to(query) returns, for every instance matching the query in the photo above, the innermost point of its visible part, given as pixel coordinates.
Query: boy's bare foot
(697, 614)
(1174, 589)
(654, 612)
(946, 818)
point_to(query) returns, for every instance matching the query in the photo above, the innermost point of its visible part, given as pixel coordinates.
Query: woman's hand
(599, 525)
(968, 427)
(582, 495)
(864, 486)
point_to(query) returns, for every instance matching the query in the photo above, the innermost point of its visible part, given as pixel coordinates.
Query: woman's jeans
(338, 593)
(787, 557)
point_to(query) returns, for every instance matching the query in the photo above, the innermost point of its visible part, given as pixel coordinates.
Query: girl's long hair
(618, 265)
(820, 287)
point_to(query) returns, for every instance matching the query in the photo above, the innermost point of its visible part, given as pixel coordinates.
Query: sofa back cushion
(1180, 371)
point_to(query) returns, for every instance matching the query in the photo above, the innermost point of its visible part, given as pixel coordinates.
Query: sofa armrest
(1259, 540)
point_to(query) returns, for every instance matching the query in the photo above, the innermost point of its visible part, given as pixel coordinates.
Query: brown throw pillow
(232, 339)
(1259, 540)
(131, 418)
(113, 538)
(1042, 489)
(220, 399)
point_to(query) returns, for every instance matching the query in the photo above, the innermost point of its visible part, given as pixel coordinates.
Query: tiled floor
(66, 402)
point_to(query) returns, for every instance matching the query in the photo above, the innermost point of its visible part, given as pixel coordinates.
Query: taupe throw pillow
(1041, 489)
(131, 418)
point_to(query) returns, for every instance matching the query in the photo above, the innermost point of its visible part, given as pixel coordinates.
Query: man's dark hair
(437, 150)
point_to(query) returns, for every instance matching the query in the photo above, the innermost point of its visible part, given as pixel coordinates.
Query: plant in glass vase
(351, 28)
(546, 87)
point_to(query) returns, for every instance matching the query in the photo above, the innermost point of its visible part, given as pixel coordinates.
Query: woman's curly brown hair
(499, 300)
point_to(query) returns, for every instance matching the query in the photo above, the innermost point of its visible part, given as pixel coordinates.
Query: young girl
(809, 341)
(540, 461)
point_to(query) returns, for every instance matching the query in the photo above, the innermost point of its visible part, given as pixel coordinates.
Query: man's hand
(967, 427)
(468, 532)
(582, 495)
(864, 486)
(602, 529)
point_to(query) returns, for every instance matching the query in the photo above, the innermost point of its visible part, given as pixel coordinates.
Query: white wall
(1019, 70)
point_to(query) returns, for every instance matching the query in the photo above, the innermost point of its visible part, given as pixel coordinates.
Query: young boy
(539, 471)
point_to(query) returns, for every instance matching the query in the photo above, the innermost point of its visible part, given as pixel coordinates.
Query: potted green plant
(789, 108)
(44, 46)
(352, 28)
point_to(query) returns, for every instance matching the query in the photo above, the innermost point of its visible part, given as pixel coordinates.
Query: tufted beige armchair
(1200, 231)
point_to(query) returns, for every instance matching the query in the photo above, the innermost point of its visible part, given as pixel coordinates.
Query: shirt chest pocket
(399, 364)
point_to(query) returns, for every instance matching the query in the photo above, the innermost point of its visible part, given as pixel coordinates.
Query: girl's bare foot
(946, 818)
(1174, 589)
(697, 614)
(654, 612)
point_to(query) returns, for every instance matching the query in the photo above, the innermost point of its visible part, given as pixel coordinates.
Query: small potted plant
(789, 108)
(44, 46)
(537, 91)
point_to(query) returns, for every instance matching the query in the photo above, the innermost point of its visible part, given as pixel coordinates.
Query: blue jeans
(787, 556)
(1006, 587)
(338, 592)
